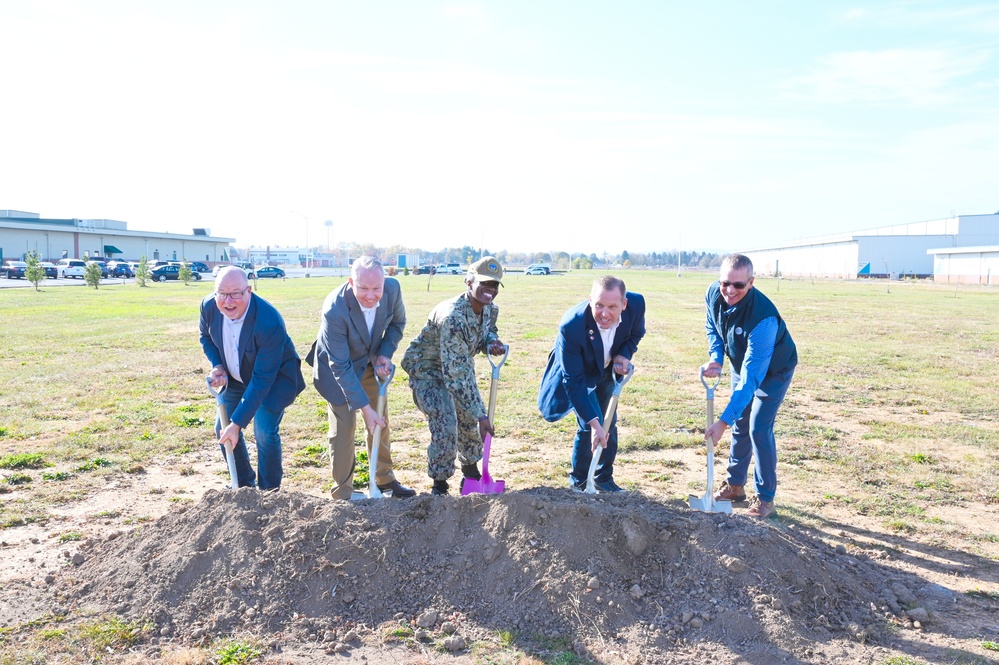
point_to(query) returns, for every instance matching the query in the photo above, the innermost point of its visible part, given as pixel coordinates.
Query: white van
(67, 268)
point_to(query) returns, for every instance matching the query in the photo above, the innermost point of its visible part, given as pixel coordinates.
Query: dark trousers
(581, 453)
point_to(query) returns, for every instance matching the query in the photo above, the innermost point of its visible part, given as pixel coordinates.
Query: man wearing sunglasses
(245, 339)
(745, 325)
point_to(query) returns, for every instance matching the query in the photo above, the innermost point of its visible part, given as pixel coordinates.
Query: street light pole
(329, 229)
(306, 239)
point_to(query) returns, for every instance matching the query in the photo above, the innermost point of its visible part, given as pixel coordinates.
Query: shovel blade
(484, 486)
(708, 504)
(701, 503)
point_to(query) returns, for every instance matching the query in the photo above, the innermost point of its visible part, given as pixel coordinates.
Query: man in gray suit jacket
(361, 326)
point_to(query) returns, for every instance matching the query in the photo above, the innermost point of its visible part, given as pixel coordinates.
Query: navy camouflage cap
(487, 269)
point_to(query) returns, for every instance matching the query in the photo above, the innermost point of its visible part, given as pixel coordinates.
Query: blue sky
(530, 126)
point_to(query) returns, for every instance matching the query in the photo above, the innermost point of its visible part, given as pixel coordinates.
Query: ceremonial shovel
(591, 486)
(373, 491)
(224, 419)
(707, 502)
(487, 485)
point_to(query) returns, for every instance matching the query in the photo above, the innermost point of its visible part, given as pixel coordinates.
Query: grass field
(888, 440)
(894, 394)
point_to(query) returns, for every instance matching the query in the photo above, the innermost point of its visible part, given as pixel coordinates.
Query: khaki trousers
(343, 424)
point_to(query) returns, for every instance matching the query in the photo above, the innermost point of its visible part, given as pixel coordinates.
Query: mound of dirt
(625, 573)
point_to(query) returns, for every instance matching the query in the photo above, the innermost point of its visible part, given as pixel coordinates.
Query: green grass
(113, 633)
(237, 653)
(17, 478)
(23, 461)
(897, 409)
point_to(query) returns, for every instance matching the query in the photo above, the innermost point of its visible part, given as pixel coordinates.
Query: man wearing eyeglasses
(745, 325)
(361, 326)
(245, 339)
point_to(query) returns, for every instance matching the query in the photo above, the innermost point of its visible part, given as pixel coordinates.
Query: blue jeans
(265, 430)
(581, 453)
(753, 435)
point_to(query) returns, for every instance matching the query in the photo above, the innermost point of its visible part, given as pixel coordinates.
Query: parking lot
(292, 273)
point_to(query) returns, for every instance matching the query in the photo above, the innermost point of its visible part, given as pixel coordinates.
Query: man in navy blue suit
(596, 339)
(245, 339)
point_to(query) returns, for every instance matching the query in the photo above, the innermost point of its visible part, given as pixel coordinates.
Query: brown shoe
(399, 491)
(730, 492)
(761, 509)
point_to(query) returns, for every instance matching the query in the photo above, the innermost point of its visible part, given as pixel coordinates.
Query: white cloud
(920, 77)
(982, 18)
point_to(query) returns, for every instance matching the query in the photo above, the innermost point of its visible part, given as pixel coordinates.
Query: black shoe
(577, 485)
(399, 491)
(471, 471)
(608, 486)
(440, 488)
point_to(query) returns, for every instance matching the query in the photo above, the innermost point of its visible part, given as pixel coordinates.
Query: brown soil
(616, 578)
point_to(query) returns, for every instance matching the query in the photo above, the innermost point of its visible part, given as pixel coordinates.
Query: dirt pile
(624, 570)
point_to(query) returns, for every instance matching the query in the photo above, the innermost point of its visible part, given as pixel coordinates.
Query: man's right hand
(383, 366)
(218, 376)
(711, 369)
(598, 435)
(371, 418)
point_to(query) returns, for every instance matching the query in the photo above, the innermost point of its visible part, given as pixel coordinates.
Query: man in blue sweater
(744, 325)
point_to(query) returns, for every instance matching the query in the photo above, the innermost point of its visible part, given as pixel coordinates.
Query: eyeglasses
(738, 286)
(235, 295)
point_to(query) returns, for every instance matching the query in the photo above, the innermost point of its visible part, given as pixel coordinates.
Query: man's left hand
(383, 365)
(496, 348)
(486, 427)
(621, 365)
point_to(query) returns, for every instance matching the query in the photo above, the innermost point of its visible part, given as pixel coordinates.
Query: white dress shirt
(230, 341)
(369, 317)
(607, 337)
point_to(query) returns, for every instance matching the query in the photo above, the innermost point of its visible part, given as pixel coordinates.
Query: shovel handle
(493, 387)
(496, 366)
(230, 459)
(620, 380)
(373, 491)
(710, 388)
(383, 382)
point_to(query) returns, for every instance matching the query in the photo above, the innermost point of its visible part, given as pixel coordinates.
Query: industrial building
(966, 265)
(890, 251)
(53, 239)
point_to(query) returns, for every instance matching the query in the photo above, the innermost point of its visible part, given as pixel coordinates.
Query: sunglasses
(738, 286)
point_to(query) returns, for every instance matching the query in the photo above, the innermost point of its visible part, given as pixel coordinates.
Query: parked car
(67, 268)
(198, 266)
(103, 266)
(269, 271)
(163, 273)
(449, 269)
(425, 270)
(120, 269)
(538, 269)
(50, 269)
(15, 269)
(245, 265)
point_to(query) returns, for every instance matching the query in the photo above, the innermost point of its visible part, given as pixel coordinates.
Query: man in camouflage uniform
(441, 367)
